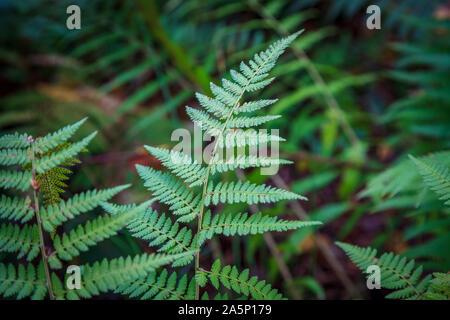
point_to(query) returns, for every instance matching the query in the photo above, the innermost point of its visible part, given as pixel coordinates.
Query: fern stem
(39, 224)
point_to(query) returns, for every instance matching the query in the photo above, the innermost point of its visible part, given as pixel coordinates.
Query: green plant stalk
(39, 224)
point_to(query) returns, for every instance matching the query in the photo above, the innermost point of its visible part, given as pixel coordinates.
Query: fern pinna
(26, 220)
(190, 189)
(396, 272)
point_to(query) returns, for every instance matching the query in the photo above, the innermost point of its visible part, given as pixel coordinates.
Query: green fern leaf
(180, 165)
(436, 177)
(80, 239)
(213, 106)
(204, 121)
(24, 240)
(160, 286)
(239, 282)
(248, 122)
(52, 182)
(172, 192)
(249, 78)
(439, 287)
(15, 179)
(241, 138)
(15, 140)
(58, 158)
(16, 209)
(109, 275)
(230, 192)
(10, 157)
(230, 224)
(57, 138)
(159, 230)
(113, 209)
(219, 296)
(22, 282)
(254, 105)
(55, 215)
(244, 162)
(397, 272)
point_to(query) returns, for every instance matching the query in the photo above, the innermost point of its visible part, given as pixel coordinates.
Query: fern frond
(239, 282)
(10, 157)
(436, 177)
(52, 182)
(15, 140)
(160, 286)
(180, 164)
(55, 159)
(109, 275)
(16, 209)
(25, 240)
(159, 230)
(230, 192)
(250, 77)
(52, 140)
(402, 177)
(230, 224)
(80, 239)
(172, 192)
(221, 117)
(15, 179)
(55, 215)
(22, 282)
(397, 272)
(253, 77)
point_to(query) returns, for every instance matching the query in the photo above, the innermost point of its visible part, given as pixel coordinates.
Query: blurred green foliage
(355, 103)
